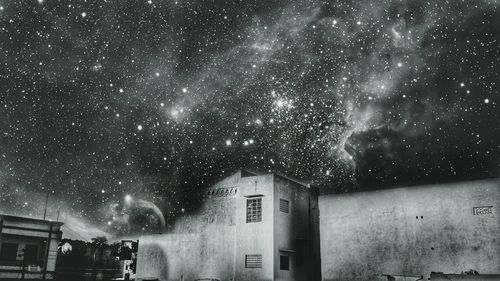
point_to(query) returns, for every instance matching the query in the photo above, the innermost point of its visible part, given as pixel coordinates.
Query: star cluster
(100, 100)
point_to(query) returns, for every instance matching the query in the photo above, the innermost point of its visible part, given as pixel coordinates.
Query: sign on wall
(222, 192)
(483, 210)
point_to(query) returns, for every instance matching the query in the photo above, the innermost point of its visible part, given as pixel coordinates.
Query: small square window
(284, 262)
(254, 210)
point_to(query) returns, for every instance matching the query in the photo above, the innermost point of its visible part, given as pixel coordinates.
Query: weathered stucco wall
(202, 243)
(298, 223)
(413, 230)
(255, 237)
(213, 242)
(192, 256)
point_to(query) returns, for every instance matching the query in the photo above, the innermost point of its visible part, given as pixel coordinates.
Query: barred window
(253, 261)
(284, 206)
(254, 210)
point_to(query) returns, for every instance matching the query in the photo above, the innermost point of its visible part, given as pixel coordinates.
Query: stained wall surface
(299, 224)
(213, 242)
(414, 230)
(186, 256)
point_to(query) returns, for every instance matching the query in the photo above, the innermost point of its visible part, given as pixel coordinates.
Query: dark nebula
(153, 100)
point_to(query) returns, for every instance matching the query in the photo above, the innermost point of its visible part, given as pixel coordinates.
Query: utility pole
(46, 201)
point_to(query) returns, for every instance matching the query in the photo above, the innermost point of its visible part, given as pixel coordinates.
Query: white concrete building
(268, 227)
(248, 227)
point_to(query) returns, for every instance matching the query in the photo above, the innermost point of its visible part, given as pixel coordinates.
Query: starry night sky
(150, 101)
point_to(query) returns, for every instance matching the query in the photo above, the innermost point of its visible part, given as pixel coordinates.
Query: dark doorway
(31, 253)
(8, 252)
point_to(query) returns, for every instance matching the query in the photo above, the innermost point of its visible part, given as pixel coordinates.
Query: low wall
(414, 230)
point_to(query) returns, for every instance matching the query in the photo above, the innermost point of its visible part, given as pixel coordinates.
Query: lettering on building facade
(483, 210)
(222, 192)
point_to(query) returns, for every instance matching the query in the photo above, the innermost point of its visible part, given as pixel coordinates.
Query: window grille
(254, 210)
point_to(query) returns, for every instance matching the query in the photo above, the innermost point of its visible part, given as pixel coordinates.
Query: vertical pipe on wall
(234, 252)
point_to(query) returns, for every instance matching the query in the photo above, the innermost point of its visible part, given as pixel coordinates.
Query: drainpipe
(234, 254)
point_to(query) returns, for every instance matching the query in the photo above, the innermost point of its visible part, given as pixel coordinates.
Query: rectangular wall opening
(284, 262)
(253, 261)
(284, 206)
